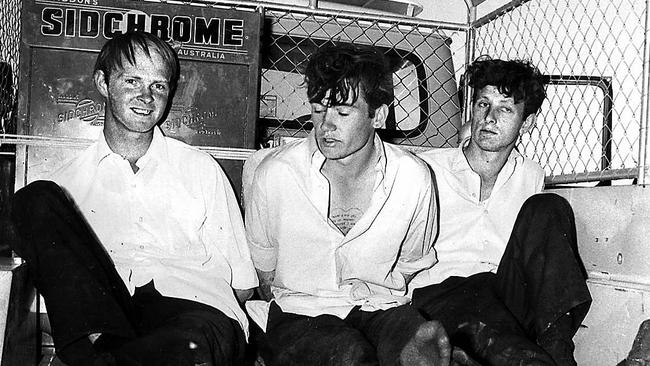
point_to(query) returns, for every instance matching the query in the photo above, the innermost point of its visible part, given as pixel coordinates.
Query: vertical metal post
(313, 4)
(645, 100)
(470, 48)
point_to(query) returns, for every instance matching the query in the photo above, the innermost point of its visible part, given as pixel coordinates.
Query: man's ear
(528, 123)
(100, 83)
(379, 120)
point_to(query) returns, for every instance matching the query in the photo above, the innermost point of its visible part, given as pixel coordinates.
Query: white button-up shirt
(176, 221)
(318, 270)
(473, 233)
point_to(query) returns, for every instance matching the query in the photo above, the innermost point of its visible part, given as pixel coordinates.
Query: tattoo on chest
(344, 219)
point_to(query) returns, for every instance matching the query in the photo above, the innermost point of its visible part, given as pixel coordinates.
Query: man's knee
(547, 203)
(32, 200)
(32, 207)
(211, 334)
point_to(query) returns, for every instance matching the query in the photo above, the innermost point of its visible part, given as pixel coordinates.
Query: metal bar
(333, 13)
(313, 4)
(499, 12)
(226, 153)
(645, 101)
(641, 283)
(470, 49)
(625, 173)
(470, 6)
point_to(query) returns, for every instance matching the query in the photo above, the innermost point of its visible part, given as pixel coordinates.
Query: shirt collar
(318, 159)
(157, 149)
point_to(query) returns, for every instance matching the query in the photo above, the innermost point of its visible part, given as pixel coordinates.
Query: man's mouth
(329, 140)
(489, 132)
(141, 111)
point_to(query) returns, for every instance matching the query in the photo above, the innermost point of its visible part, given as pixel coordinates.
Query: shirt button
(140, 219)
(485, 212)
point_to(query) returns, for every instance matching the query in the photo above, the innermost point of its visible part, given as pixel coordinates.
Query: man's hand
(266, 279)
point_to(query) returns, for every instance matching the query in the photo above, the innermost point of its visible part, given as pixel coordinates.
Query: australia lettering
(181, 28)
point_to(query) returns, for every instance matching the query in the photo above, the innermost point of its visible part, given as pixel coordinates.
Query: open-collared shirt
(318, 269)
(474, 233)
(176, 221)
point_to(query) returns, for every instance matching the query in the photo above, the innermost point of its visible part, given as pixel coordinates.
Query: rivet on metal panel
(619, 258)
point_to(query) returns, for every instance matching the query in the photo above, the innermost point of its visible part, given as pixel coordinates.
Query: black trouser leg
(326, 340)
(82, 290)
(178, 332)
(478, 321)
(541, 277)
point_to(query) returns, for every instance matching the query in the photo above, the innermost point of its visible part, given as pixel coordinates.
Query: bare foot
(429, 347)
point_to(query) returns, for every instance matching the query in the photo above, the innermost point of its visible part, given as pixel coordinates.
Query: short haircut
(518, 79)
(344, 69)
(123, 47)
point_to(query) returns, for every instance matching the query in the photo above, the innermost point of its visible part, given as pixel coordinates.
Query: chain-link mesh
(9, 41)
(425, 60)
(592, 50)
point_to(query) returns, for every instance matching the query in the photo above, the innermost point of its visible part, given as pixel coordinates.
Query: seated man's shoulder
(184, 153)
(189, 161)
(284, 157)
(438, 157)
(438, 154)
(410, 165)
(533, 169)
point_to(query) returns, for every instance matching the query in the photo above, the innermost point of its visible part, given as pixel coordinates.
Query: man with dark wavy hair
(509, 286)
(137, 245)
(338, 223)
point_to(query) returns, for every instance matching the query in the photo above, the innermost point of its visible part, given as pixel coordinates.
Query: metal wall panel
(60, 109)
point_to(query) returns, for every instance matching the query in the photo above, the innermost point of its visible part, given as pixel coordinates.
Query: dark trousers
(84, 294)
(362, 338)
(539, 280)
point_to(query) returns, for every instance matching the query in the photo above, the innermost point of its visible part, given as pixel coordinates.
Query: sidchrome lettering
(52, 21)
(206, 33)
(233, 32)
(182, 29)
(75, 22)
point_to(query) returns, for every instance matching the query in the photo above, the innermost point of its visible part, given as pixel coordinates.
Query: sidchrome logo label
(86, 110)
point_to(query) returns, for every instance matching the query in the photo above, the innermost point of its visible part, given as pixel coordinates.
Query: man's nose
(146, 94)
(328, 120)
(490, 116)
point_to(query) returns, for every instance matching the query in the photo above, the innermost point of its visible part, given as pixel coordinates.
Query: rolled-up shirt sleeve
(262, 247)
(418, 253)
(225, 227)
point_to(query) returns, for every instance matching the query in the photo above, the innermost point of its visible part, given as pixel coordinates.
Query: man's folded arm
(263, 252)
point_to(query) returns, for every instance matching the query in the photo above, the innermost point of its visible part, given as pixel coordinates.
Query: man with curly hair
(338, 223)
(509, 286)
